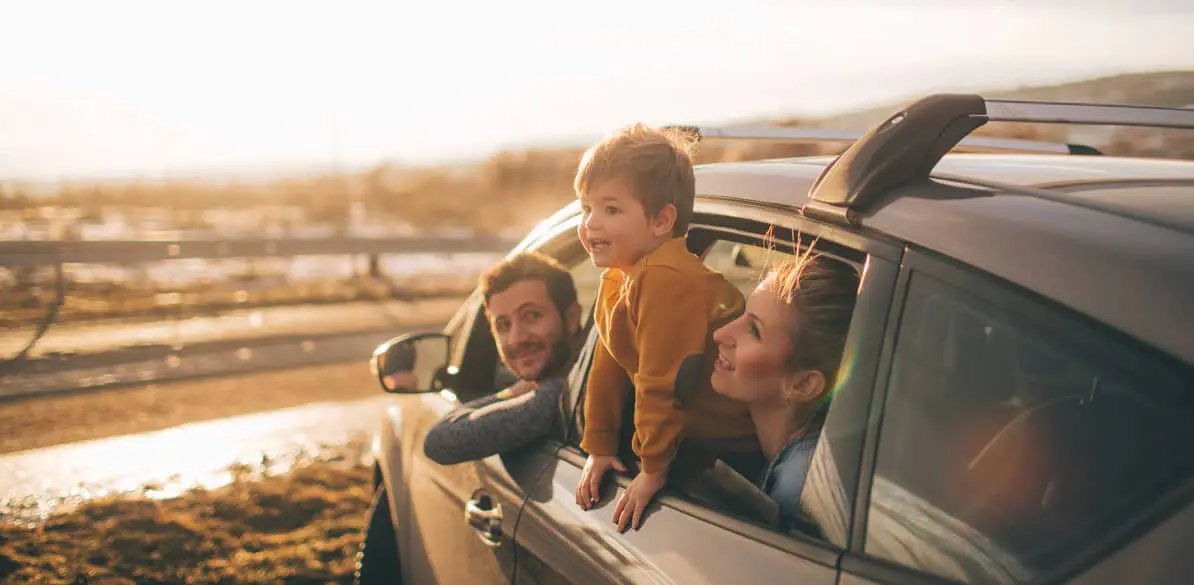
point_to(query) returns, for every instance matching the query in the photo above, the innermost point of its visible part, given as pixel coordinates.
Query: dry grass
(303, 527)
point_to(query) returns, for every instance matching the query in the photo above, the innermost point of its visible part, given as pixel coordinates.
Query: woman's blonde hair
(822, 292)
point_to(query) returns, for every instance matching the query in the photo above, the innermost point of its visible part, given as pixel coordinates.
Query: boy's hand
(595, 469)
(633, 504)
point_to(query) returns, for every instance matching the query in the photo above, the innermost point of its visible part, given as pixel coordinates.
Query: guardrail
(60, 253)
(43, 253)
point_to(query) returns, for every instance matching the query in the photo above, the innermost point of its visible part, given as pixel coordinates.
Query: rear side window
(1006, 450)
(744, 264)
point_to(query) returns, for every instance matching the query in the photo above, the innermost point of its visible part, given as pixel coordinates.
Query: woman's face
(753, 349)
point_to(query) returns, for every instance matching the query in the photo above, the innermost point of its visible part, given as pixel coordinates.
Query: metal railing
(59, 254)
(44, 253)
(814, 135)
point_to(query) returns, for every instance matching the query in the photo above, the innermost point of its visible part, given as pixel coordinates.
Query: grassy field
(300, 528)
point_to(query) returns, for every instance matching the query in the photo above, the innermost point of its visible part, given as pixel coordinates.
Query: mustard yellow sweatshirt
(656, 321)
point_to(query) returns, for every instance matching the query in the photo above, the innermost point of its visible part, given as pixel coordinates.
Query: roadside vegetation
(298, 528)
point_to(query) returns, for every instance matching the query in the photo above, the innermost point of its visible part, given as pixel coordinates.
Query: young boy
(656, 311)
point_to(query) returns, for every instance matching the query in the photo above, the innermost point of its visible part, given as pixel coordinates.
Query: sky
(145, 88)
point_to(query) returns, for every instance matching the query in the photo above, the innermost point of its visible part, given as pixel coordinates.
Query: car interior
(997, 424)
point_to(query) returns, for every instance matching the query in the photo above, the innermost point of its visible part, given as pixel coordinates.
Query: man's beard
(558, 360)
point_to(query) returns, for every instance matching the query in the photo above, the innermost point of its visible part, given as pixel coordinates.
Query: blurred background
(454, 124)
(140, 120)
(199, 188)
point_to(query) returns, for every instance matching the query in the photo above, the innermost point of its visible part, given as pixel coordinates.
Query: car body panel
(1126, 273)
(673, 546)
(436, 544)
(1130, 275)
(1060, 250)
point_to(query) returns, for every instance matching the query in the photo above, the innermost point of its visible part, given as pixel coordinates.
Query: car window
(1006, 450)
(744, 260)
(477, 375)
(743, 263)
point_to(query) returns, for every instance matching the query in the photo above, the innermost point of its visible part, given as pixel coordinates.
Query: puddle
(161, 464)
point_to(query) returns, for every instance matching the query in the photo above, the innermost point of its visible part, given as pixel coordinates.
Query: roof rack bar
(1094, 114)
(907, 145)
(793, 134)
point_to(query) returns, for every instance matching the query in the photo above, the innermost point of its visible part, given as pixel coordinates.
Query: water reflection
(36, 483)
(909, 530)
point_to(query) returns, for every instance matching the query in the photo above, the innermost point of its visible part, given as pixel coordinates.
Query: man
(531, 304)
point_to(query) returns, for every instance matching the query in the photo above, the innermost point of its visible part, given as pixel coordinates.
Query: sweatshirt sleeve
(606, 392)
(671, 327)
(490, 425)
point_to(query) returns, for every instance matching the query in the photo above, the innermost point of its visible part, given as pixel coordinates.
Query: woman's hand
(633, 503)
(596, 466)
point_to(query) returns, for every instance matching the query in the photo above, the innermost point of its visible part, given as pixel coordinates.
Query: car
(1017, 397)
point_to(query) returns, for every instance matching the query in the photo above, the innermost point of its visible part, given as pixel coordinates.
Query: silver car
(1017, 397)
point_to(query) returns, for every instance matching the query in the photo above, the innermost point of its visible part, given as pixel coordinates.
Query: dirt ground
(300, 528)
(45, 421)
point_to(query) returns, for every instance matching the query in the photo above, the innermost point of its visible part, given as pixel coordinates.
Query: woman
(781, 357)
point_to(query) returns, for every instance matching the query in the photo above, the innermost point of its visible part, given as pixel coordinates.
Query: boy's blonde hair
(656, 163)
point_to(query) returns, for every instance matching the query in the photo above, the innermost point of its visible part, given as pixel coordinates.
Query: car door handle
(485, 516)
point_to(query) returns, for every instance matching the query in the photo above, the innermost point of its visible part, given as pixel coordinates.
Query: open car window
(744, 258)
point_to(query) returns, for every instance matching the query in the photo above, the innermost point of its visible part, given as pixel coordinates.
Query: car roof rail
(796, 134)
(908, 144)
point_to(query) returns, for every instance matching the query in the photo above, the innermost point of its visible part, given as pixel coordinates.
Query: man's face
(531, 334)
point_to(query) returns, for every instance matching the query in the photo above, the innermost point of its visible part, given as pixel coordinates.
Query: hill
(511, 190)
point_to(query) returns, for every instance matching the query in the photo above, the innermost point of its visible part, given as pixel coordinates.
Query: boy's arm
(672, 329)
(605, 398)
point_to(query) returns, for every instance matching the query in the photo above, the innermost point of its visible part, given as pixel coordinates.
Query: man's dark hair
(526, 266)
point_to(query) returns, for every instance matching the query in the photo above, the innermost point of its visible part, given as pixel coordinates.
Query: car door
(458, 521)
(455, 521)
(720, 532)
(1021, 443)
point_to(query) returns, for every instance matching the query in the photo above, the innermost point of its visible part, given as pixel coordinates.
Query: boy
(656, 310)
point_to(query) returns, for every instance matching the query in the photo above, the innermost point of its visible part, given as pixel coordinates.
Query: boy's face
(616, 230)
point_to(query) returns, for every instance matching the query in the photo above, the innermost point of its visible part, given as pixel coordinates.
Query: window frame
(1119, 353)
(468, 348)
(717, 220)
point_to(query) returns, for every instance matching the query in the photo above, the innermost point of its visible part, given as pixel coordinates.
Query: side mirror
(413, 363)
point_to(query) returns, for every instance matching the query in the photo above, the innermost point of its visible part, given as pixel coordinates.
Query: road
(75, 357)
(243, 324)
(161, 463)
